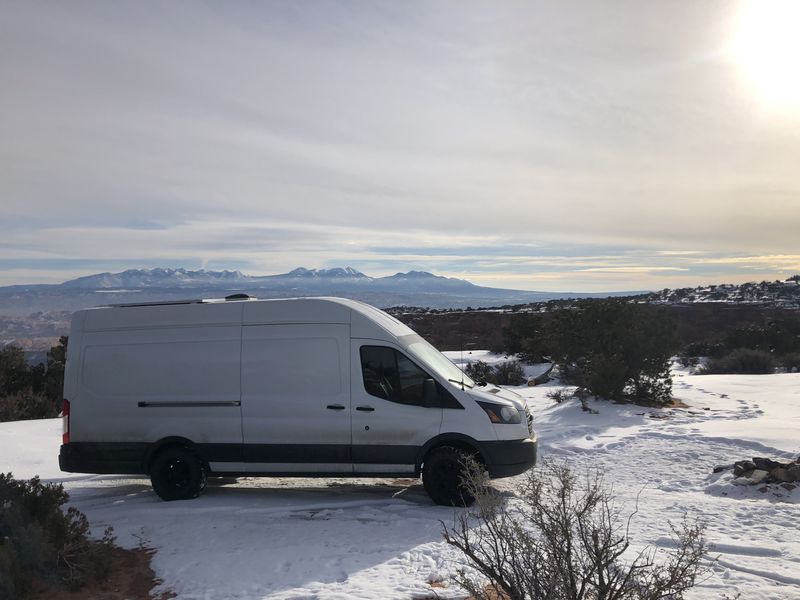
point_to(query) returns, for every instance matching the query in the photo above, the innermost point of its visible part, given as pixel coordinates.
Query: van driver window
(390, 375)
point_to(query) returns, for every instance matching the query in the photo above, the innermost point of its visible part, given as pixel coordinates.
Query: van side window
(391, 375)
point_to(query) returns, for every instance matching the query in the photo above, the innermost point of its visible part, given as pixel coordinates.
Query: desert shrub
(40, 541)
(26, 405)
(565, 540)
(15, 374)
(506, 373)
(480, 371)
(791, 361)
(560, 395)
(31, 392)
(780, 335)
(510, 373)
(742, 361)
(50, 380)
(616, 349)
(690, 354)
(524, 337)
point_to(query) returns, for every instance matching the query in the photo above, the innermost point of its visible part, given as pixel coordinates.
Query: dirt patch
(405, 482)
(491, 593)
(673, 403)
(131, 578)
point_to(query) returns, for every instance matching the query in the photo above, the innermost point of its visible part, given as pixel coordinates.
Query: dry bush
(566, 540)
(559, 395)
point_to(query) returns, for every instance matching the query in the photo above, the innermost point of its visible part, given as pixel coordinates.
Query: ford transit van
(323, 387)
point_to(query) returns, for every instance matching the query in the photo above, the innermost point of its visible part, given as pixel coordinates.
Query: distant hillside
(781, 294)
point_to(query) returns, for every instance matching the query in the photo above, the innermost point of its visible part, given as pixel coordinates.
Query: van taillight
(65, 421)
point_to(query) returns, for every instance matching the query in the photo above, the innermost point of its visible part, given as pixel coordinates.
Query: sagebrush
(565, 539)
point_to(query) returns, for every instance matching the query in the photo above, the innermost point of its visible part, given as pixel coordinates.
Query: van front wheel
(177, 474)
(442, 476)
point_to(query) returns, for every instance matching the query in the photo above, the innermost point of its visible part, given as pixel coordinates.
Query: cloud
(490, 140)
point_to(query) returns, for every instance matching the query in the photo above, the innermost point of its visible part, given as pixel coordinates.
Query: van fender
(158, 446)
(456, 440)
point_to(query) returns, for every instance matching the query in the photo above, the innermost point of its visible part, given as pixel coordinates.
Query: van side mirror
(430, 395)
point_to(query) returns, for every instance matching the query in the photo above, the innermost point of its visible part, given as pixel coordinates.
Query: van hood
(498, 395)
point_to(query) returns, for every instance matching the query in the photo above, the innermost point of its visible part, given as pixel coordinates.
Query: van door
(296, 398)
(392, 419)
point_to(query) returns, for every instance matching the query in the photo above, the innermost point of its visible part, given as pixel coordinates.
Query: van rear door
(296, 398)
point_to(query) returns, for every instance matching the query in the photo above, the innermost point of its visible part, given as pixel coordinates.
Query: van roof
(362, 317)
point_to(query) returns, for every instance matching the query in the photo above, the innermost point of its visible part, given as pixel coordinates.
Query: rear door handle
(335, 407)
(365, 408)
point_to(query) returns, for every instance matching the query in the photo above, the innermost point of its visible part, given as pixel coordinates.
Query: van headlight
(501, 414)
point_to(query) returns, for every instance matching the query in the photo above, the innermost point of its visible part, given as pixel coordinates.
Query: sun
(766, 44)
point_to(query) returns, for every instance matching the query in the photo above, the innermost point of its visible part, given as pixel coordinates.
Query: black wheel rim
(178, 474)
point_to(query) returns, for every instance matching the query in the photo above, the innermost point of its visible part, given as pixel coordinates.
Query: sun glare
(767, 45)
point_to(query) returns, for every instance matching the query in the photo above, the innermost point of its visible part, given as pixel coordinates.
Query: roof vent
(239, 297)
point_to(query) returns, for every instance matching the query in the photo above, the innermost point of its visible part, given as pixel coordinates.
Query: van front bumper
(505, 458)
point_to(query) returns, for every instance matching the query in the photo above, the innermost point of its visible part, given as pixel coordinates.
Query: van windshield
(434, 359)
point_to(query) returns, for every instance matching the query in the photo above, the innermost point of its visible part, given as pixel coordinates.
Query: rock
(793, 473)
(758, 476)
(788, 486)
(742, 467)
(766, 464)
(763, 489)
(721, 468)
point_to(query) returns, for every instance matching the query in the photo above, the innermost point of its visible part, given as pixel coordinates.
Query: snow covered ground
(310, 538)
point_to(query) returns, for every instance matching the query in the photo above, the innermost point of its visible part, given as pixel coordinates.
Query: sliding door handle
(365, 408)
(335, 407)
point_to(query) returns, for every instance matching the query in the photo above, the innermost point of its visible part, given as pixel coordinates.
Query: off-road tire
(177, 474)
(442, 476)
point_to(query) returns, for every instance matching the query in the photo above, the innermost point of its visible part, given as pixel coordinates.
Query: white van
(299, 387)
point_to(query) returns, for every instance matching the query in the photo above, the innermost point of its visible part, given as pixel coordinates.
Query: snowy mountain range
(412, 288)
(167, 278)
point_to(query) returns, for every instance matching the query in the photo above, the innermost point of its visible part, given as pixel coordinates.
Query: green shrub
(15, 374)
(480, 371)
(506, 373)
(40, 541)
(524, 337)
(616, 349)
(26, 405)
(742, 361)
(698, 349)
(509, 373)
(31, 392)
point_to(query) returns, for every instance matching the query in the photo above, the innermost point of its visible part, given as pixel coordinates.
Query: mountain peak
(336, 272)
(416, 275)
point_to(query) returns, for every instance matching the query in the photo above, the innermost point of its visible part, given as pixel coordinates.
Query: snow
(284, 538)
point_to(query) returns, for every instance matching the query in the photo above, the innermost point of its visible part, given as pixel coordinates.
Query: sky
(573, 145)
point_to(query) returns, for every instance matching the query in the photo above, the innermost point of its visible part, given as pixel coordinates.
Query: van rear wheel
(177, 474)
(442, 476)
